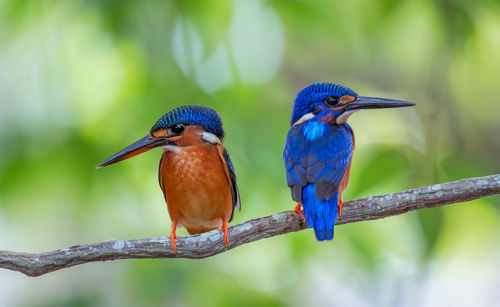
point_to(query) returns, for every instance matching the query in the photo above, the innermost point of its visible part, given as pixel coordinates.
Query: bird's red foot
(339, 206)
(225, 231)
(173, 237)
(298, 209)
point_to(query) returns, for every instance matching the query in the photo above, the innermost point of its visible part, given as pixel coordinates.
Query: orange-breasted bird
(319, 147)
(196, 174)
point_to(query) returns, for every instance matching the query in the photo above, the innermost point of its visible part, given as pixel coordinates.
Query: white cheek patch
(304, 118)
(342, 119)
(172, 148)
(211, 138)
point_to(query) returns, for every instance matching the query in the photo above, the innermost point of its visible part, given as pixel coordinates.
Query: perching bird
(318, 150)
(196, 174)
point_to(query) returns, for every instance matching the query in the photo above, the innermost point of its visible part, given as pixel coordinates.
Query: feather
(320, 214)
(317, 156)
(232, 179)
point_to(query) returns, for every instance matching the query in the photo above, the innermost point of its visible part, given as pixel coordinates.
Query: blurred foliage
(81, 79)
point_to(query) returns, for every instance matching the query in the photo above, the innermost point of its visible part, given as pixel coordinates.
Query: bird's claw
(298, 209)
(339, 206)
(172, 243)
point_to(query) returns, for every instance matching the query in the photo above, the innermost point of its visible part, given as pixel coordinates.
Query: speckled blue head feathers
(315, 93)
(206, 117)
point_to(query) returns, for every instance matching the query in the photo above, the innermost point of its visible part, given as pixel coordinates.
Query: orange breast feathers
(345, 180)
(197, 187)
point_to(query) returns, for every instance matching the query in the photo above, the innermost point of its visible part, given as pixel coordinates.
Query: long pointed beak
(146, 143)
(377, 103)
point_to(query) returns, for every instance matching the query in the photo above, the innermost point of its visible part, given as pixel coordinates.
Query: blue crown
(317, 92)
(208, 118)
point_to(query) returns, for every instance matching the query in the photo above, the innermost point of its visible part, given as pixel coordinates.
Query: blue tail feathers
(322, 235)
(319, 214)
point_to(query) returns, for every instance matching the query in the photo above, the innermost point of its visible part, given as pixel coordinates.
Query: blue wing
(234, 186)
(317, 155)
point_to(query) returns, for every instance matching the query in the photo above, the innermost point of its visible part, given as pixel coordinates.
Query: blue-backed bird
(196, 174)
(318, 150)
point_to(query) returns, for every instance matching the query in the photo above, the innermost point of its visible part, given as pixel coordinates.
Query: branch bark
(211, 243)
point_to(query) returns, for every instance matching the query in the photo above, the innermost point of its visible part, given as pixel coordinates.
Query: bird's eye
(178, 128)
(331, 101)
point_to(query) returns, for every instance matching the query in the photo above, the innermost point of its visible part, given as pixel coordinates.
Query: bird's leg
(339, 206)
(173, 237)
(298, 209)
(225, 231)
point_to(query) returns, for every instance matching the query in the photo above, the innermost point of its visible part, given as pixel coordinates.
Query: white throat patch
(304, 118)
(211, 138)
(342, 119)
(172, 148)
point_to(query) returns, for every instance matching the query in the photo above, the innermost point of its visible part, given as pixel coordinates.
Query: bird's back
(317, 156)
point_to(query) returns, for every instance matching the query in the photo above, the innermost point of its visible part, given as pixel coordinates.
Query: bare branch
(211, 243)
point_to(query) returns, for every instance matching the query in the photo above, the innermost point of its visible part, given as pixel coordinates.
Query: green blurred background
(79, 80)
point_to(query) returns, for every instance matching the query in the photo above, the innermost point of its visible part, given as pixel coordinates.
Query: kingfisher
(196, 174)
(319, 148)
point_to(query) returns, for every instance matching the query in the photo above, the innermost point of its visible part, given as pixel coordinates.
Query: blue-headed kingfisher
(319, 148)
(196, 174)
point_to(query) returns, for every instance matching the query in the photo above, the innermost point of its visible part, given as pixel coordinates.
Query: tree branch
(211, 243)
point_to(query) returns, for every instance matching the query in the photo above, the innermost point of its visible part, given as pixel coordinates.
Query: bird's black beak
(146, 143)
(376, 103)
